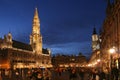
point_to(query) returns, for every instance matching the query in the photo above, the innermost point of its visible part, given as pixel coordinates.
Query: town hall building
(15, 54)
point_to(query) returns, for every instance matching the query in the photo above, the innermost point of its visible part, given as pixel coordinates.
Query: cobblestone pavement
(65, 76)
(55, 76)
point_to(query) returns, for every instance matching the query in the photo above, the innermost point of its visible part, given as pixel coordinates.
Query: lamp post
(111, 51)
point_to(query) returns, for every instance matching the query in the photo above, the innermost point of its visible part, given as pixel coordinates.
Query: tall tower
(94, 40)
(36, 37)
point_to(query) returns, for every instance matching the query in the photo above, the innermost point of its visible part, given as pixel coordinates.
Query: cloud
(70, 48)
(66, 25)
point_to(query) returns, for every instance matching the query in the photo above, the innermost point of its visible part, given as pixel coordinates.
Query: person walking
(94, 74)
(115, 73)
(81, 74)
(47, 74)
(102, 75)
(0, 77)
(73, 75)
(107, 73)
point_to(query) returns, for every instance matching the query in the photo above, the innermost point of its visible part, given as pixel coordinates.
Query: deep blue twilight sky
(66, 25)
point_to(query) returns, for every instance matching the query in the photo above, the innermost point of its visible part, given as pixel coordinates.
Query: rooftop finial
(94, 30)
(36, 17)
(36, 12)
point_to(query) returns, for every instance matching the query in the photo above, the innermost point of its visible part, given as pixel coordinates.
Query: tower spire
(36, 23)
(36, 37)
(94, 31)
(36, 14)
(94, 39)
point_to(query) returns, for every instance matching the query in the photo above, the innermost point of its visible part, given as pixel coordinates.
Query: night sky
(66, 25)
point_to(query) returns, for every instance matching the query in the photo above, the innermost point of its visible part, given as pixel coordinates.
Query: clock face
(95, 38)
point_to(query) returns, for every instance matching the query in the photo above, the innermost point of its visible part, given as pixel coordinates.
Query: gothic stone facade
(15, 54)
(111, 34)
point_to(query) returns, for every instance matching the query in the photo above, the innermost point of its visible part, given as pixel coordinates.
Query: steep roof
(20, 45)
(45, 51)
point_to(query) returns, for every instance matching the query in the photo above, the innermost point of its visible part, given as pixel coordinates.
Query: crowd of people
(40, 74)
(95, 74)
(71, 74)
(78, 74)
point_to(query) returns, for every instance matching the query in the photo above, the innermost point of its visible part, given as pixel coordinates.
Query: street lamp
(111, 51)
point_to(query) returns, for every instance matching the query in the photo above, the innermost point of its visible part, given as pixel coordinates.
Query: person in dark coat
(81, 74)
(73, 75)
(115, 73)
(102, 75)
(94, 73)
